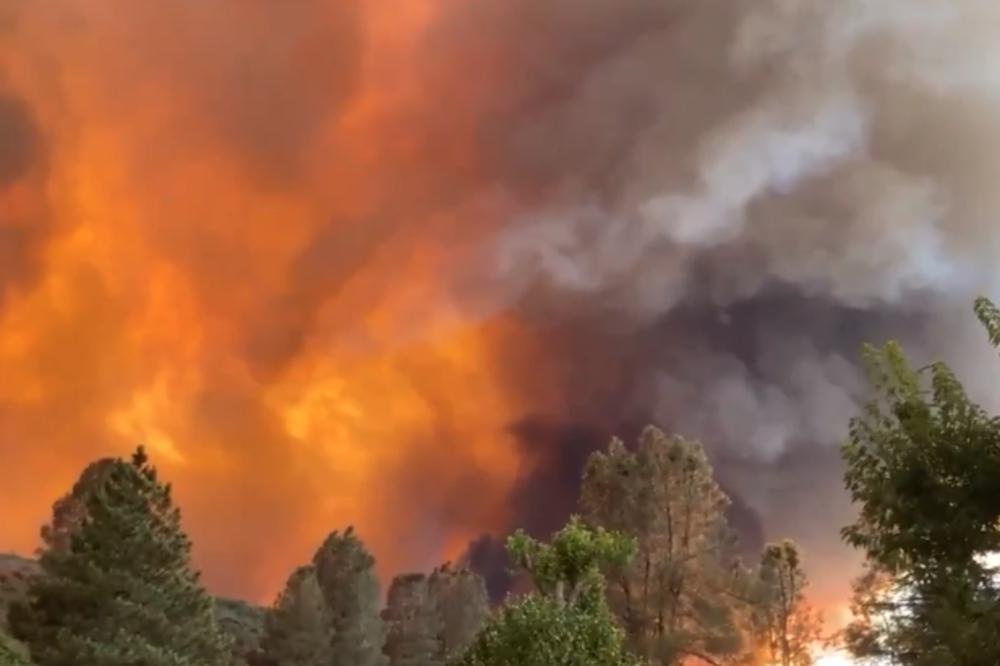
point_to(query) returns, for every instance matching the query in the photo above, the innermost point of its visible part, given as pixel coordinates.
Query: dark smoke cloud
(20, 144)
(553, 456)
(487, 556)
(23, 228)
(727, 199)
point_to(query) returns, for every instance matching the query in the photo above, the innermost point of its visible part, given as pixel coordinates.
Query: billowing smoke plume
(405, 263)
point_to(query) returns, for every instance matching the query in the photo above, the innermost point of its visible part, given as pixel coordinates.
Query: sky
(403, 264)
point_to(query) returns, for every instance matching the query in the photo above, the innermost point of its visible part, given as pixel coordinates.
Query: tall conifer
(346, 574)
(122, 592)
(298, 629)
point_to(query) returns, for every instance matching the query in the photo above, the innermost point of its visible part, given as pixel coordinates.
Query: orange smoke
(222, 276)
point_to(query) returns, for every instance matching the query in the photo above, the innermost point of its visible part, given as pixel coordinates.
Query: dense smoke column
(730, 245)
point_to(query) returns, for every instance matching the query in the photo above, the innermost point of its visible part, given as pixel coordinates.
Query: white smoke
(845, 150)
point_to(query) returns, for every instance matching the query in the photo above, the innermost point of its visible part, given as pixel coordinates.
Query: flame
(244, 304)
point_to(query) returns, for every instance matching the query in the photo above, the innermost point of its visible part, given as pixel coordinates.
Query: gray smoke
(835, 156)
(753, 189)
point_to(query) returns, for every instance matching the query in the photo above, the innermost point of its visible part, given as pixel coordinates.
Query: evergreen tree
(413, 626)
(567, 622)
(298, 629)
(459, 596)
(346, 574)
(784, 624)
(11, 654)
(676, 598)
(69, 512)
(923, 466)
(122, 593)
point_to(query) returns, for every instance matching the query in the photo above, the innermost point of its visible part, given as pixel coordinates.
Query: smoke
(752, 190)
(23, 225)
(18, 140)
(405, 264)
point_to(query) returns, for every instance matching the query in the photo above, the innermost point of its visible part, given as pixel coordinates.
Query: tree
(567, 621)
(413, 626)
(345, 571)
(784, 624)
(923, 466)
(676, 598)
(123, 592)
(431, 620)
(69, 512)
(298, 628)
(11, 654)
(459, 596)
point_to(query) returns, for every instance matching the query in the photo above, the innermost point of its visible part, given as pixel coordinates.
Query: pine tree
(784, 624)
(298, 628)
(69, 512)
(346, 574)
(673, 599)
(122, 593)
(460, 598)
(413, 626)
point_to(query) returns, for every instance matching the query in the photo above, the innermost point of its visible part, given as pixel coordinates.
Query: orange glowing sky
(175, 300)
(244, 239)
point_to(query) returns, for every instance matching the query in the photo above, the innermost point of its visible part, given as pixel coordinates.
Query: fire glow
(288, 360)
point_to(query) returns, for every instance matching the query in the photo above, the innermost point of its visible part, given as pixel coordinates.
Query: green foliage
(345, 571)
(413, 625)
(676, 598)
(15, 576)
(122, 591)
(540, 631)
(923, 466)
(431, 620)
(70, 511)
(298, 630)
(11, 652)
(564, 568)
(567, 622)
(460, 599)
(989, 315)
(784, 624)
(243, 623)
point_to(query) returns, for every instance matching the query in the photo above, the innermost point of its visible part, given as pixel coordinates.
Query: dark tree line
(645, 574)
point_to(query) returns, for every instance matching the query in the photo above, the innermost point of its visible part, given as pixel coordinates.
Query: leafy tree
(677, 598)
(784, 624)
(413, 626)
(123, 592)
(298, 628)
(566, 569)
(567, 622)
(345, 571)
(460, 599)
(11, 654)
(923, 466)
